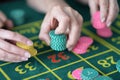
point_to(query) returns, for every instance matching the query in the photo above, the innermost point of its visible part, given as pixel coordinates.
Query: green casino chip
(89, 74)
(58, 41)
(103, 78)
(18, 16)
(118, 65)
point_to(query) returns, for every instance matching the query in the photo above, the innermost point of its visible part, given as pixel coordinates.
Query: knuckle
(66, 19)
(69, 9)
(56, 8)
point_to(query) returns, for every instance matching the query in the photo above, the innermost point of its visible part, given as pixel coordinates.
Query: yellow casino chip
(22, 45)
(30, 49)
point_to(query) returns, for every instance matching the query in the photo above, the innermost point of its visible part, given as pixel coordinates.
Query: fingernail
(70, 49)
(103, 19)
(24, 59)
(108, 24)
(27, 54)
(48, 42)
(30, 43)
(56, 32)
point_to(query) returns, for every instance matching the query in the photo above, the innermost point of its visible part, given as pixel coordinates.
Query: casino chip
(118, 65)
(18, 16)
(77, 74)
(103, 78)
(30, 49)
(58, 41)
(82, 45)
(104, 32)
(89, 74)
(101, 27)
(96, 21)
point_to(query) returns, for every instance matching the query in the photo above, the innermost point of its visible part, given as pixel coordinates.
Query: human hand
(4, 22)
(65, 20)
(108, 9)
(10, 52)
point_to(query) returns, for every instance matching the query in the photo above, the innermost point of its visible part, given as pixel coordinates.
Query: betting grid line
(115, 71)
(115, 30)
(4, 64)
(5, 75)
(98, 54)
(26, 25)
(47, 68)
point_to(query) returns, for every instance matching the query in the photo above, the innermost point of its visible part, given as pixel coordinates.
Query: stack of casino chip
(101, 27)
(89, 74)
(103, 78)
(30, 49)
(58, 41)
(118, 65)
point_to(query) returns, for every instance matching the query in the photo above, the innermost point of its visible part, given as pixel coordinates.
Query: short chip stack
(118, 65)
(58, 41)
(30, 49)
(89, 74)
(101, 27)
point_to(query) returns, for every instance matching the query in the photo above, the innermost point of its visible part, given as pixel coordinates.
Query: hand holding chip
(108, 9)
(63, 20)
(10, 52)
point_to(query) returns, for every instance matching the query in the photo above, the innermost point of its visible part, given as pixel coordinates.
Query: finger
(6, 34)
(93, 6)
(113, 12)
(63, 20)
(45, 29)
(74, 32)
(9, 24)
(103, 9)
(13, 49)
(2, 17)
(6, 56)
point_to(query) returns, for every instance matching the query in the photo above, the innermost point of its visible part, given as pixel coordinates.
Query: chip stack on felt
(101, 27)
(89, 74)
(82, 45)
(58, 41)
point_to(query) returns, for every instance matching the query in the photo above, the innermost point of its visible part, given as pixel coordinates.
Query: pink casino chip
(82, 45)
(105, 32)
(80, 50)
(77, 74)
(96, 21)
(86, 41)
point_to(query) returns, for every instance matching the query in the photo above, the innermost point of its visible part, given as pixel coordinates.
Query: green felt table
(52, 65)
